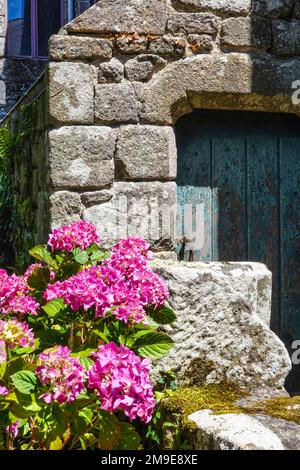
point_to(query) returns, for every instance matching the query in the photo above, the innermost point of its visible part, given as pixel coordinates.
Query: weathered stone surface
(230, 81)
(111, 72)
(168, 46)
(81, 157)
(232, 432)
(273, 8)
(65, 207)
(287, 431)
(226, 7)
(71, 93)
(199, 23)
(146, 153)
(246, 33)
(286, 38)
(64, 47)
(132, 44)
(93, 198)
(136, 209)
(200, 42)
(115, 103)
(138, 71)
(122, 16)
(218, 324)
(2, 25)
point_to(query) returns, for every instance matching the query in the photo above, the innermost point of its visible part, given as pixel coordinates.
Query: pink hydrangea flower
(3, 391)
(80, 234)
(16, 334)
(121, 379)
(14, 296)
(123, 284)
(63, 374)
(13, 429)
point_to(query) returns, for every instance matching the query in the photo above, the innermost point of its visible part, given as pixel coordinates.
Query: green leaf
(53, 307)
(40, 252)
(2, 369)
(39, 278)
(153, 345)
(109, 431)
(163, 315)
(25, 381)
(129, 439)
(55, 444)
(80, 256)
(86, 362)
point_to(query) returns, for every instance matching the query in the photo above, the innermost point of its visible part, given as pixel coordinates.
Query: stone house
(178, 120)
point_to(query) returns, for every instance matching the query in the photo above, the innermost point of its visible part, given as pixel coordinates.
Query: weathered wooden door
(240, 172)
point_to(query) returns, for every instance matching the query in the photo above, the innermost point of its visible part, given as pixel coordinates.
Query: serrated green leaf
(109, 431)
(86, 362)
(129, 438)
(163, 315)
(53, 307)
(41, 253)
(80, 256)
(153, 345)
(25, 381)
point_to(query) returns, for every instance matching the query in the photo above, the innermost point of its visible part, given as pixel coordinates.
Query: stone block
(122, 16)
(232, 431)
(224, 7)
(64, 47)
(93, 198)
(138, 71)
(220, 334)
(168, 46)
(81, 157)
(145, 209)
(286, 38)
(71, 93)
(111, 72)
(200, 42)
(132, 44)
(198, 23)
(246, 33)
(146, 153)
(115, 103)
(65, 207)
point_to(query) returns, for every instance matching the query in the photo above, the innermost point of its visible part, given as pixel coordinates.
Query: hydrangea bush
(78, 331)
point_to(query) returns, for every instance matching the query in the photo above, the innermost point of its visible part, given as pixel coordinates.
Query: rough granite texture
(221, 321)
(232, 432)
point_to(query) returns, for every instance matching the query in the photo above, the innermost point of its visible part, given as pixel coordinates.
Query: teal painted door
(239, 199)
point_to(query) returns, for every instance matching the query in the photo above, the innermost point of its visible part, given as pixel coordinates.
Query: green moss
(177, 429)
(280, 407)
(219, 398)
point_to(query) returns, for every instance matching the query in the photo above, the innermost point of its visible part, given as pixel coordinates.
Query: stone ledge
(122, 16)
(223, 7)
(221, 312)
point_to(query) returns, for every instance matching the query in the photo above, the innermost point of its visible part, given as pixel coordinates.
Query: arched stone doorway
(238, 183)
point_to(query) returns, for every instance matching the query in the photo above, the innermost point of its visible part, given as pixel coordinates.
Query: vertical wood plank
(229, 179)
(263, 209)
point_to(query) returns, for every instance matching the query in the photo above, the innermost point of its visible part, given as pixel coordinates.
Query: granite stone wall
(123, 72)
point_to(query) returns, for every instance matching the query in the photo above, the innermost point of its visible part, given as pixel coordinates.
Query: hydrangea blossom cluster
(63, 374)
(14, 296)
(3, 352)
(124, 281)
(80, 234)
(121, 379)
(16, 334)
(3, 391)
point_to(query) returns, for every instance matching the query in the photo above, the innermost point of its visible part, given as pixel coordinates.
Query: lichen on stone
(287, 408)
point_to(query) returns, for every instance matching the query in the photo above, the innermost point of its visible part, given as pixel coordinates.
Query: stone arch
(225, 81)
